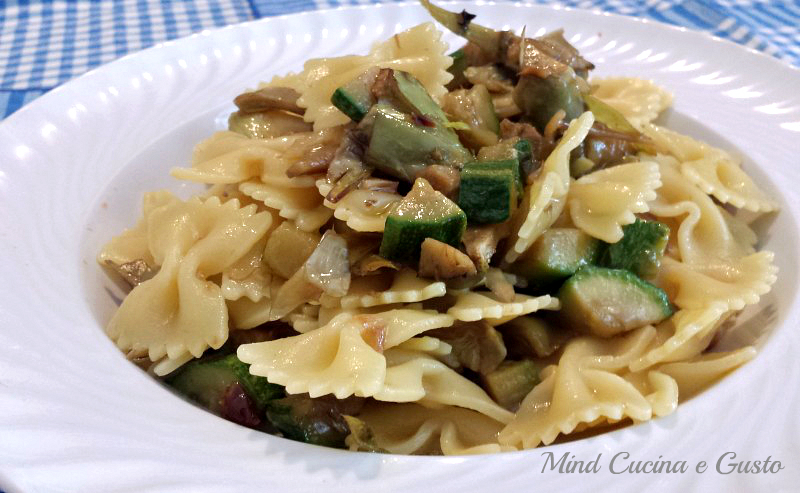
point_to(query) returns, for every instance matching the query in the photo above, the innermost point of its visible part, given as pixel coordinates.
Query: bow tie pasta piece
(695, 286)
(247, 314)
(249, 276)
(600, 203)
(343, 358)
(698, 373)
(712, 170)
(405, 288)
(178, 310)
(717, 259)
(229, 157)
(591, 385)
(304, 319)
(428, 345)
(302, 205)
(362, 210)
(705, 235)
(471, 306)
(544, 200)
(418, 51)
(640, 101)
(413, 376)
(129, 253)
(683, 336)
(167, 365)
(415, 429)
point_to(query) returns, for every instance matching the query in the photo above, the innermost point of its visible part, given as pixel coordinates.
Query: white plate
(75, 416)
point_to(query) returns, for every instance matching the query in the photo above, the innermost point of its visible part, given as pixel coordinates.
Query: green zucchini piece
(512, 381)
(640, 249)
(605, 302)
(355, 98)
(316, 421)
(206, 380)
(528, 336)
(402, 147)
(423, 213)
(510, 164)
(489, 191)
(555, 255)
(457, 70)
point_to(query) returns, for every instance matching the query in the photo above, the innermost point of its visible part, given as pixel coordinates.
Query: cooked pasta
(383, 264)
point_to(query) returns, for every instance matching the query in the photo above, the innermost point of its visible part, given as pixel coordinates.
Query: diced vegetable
(207, 380)
(409, 95)
(288, 248)
(442, 261)
(318, 421)
(481, 242)
(475, 108)
(402, 145)
(355, 98)
(423, 213)
(267, 124)
(328, 267)
(476, 345)
(442, 178)
(640, 249)
(489, 190)
(528, 336)
(540, 99)
(511, 382)
(269, 98)
(555, 255)
(605, 302)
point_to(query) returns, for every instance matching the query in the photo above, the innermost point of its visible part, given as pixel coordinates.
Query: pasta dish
(418, 251)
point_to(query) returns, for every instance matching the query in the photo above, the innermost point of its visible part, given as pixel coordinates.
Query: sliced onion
(328, 267)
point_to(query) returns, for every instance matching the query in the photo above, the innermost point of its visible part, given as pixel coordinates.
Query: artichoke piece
(476, 345)
(267, 124)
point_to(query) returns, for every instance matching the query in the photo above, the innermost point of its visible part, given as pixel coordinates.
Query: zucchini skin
(402, 238)
(354, 109)
(487, 195)
(606, 302)
(640, 249)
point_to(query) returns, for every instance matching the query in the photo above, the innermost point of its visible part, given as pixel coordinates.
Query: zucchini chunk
(319, 421)
(403, 145)
(640, 249)
(556, 255)
(606, 302)
(355, 98)
(512, 381)
(423, 213)
(206, 381)
(489, 190)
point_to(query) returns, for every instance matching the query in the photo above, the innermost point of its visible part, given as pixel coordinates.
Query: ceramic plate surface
(76, 416)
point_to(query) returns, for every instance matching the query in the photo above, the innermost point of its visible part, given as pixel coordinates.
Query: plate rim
(41, 101)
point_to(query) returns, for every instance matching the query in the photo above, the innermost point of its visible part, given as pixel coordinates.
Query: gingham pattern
(45, 43)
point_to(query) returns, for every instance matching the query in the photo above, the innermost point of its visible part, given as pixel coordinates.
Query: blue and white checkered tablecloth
(46, 43)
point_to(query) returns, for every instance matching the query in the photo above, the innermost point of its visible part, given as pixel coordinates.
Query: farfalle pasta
(413, 252)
